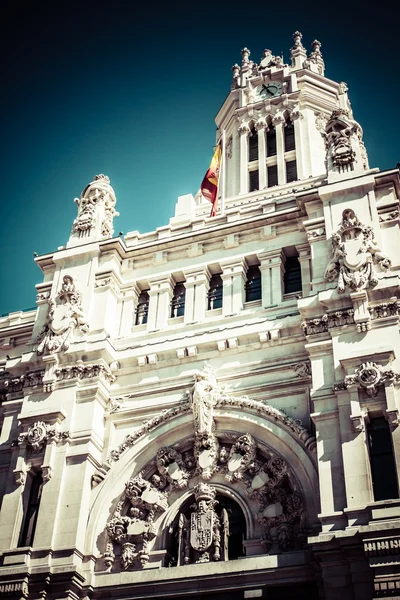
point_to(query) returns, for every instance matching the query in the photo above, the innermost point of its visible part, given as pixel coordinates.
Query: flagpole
(223, 172)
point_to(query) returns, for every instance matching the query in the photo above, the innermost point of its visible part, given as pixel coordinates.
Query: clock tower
(280, 120)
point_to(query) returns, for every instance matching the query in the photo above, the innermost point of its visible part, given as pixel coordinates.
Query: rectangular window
(271, 142)
(272, 175)
(253, 284)
(178, 301)
(291, 171)
(215, 292)
(383, 470)
(253, 181)
(32, 511)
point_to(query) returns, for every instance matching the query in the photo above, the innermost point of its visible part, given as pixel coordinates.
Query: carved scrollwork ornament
(244, 128)
(354, 254)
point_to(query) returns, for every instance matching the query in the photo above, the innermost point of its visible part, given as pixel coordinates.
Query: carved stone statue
(95, 210)
(64, 316)
(200, 538)
(354, 252)
(204, 399)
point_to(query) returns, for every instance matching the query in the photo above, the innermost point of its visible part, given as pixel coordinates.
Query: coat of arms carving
(354, 255)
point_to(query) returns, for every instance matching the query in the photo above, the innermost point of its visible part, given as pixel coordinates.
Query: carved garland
(242, 402)
(266, 479)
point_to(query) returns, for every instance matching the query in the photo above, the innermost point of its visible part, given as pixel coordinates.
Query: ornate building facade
(212, 408)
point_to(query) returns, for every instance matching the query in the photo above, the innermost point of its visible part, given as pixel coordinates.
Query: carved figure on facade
(65, 314)
(96, 202)
(343, 138)
(235, 76)
(204, 398)
(241, 458)
(302, 370)
(200, 536)
(354, 253)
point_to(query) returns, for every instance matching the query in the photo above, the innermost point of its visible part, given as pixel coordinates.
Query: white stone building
(211, 409)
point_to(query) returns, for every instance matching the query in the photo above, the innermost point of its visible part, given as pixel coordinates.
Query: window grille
(253, 284)
(292, 276)
(32, 511)
(291, 171)
(215, 292)
(253, 181)
(142, 309)
(383, 470)
(178, 301)
(272, 173)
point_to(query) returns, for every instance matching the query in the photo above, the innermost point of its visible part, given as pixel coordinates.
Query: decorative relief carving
(328, 321)
(320, 121)
(267, 480)
(244, 128)
(200, 536)
(64, 316)
(354, 252)
(39, 434)
(221, 399)
(342, 136)
(368, 376)
(17, 384)
(385, 309)
(228, 148)
(302, 370)
(84, 371)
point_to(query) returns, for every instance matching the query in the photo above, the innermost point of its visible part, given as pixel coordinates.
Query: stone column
(160, 294)
(261, 126)
(355, 454)
(244, 131)
(278, 122)
(196, 284)
(304, 251)
(234, 279)
(272, 268)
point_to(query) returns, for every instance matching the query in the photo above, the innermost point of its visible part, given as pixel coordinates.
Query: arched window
(142, 308)
(237, 531)
(253, 155)
(289, 135)
(253, 145)
(215, 292)
(178, 300)
(271, 140)
(32, 511)
(383, 469)
(253, 284)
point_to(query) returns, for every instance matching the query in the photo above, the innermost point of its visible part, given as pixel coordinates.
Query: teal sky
(132, 92)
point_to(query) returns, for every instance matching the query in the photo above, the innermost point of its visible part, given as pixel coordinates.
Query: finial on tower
(245, 56)
(95, 212)
(297, 53)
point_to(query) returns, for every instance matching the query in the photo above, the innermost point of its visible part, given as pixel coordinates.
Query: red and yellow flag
(209, 185)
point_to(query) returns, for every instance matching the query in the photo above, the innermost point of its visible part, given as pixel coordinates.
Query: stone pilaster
(304, 251)
(261, 126)
(244, 131)
(272, 268)
(278, 121)
(234, 279)
(160, 294)
(196, 284)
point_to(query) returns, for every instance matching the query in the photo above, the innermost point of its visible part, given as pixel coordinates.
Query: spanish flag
(209, 185)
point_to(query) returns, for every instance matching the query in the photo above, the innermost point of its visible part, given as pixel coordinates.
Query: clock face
(270, 90)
